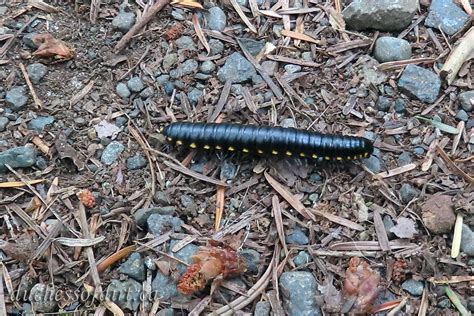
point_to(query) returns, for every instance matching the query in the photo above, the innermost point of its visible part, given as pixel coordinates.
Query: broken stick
(461, 53)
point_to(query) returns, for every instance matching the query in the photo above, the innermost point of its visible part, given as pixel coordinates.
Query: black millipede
(265, 140)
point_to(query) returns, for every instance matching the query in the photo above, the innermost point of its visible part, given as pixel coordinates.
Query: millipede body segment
(265, 140)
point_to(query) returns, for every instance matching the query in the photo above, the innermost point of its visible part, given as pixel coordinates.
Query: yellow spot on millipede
(361, 155)
(366, 155)
(327, 158)
(339, 158)
(178, 142)
(355, 157)
(302, 155)
(288, 153)
(245, 150)
(314, 156)
(274, 152)
(193, 145)
(349, 158)
(169, 139)
(218, 147)
(231, 148)
(162, 129)
(207, 147)
(260, 151)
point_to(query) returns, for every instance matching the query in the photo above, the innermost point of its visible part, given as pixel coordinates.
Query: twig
(140, 24)
(38, 102)
(461, 53)
(95, 5)
(194, 174)
(451, 165)
(222, 101)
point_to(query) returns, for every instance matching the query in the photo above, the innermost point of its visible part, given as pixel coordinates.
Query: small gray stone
(253, 259)
(39, 123)
(216, 46)
(467, 241)
(446, 15)
(36, 72)
(413, 287)
(407, 192)
(187, 200)
(383, 104)
(186, 43)
(111, 153)
(254, 47)
(404, 159)
(388, 224)
(462, 116)
(467, 100)
(164, 287)
(297, 237)
(308, 56)
(147, 93)
(420, 151)
(134, 267)
(124, 21)
(16, 98)
(188, 67)
(141, 215)
(159, 224)
(470, 301)
(256, 79)
(122, 90)
(163, 79)
(136, 162)
(170, 60)
(243, 3)
(299, 291)
(184, 254)
(18, 157)
(178, 15)
(373, 163)
(237, 69)
(291, 69)
(389, 48)
(4, 30)
(135, 84)
(228, 171)
(383, 15)
(262, 308)
(166, 312)
(288, 122)
(41, 163)
(194, 95)
(400, 106)
(370, 73)
(207, 67)
(80, 121)
(28, 40)
(42, 298)
(302, 258)
(444, 303)
(270, 66)
(3, 123)
(216, 19)
(125, 294)
(420, 83)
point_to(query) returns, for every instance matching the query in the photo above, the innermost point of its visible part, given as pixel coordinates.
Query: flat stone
(253, 46)
(136, 162)
(237, 69)
(186, 43)
(39, 123)
(207, 67)
(159, 224)
(383, 15)
(125, 294)
(253, 259)
(389, 48)
(164, 287)
(447, 16)
(111, 153)
(18, 157)
(188, 67)
(41, 297)
(216, 19)
(134, 267)
(467, 241)
(467, 100)
(169, 61)
(262, 308)
(420, 83)
(124, 21)
(302, 258)
(413, 287)
(299, 290)
(141, 215)
(122, 90)
(16, 98)
(135, 84)
(36, 72)
(3, 123)
(216, 46)
(297, 236)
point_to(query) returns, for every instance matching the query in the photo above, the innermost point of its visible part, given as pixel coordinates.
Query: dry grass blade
(457, 138)
(194, 174)
(220, 202)
(200, 34)
(454, 298)
(451, 279)
(396, 171)
(38, 102)
(271, 14)
(248, 100)
(451, 165)
(197, 310)
(293, 61)
(398, 308)
(461, 53)
(116, 257)
(369, 245)
(381, 232)
(18, 184)
(392, 65)
(339, 220)
(456, 246)
(78, 96)
(95, 5)
(242, 15)
(41, 5)
(79, 242)
(222, 101)
(344, 46)
(300, 36)
(279, 222)
(429, 156)
(290, 91)
(424, 303)
(298, 10)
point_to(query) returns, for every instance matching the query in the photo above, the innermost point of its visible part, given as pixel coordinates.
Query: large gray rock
(18, 157)
(389, 48)
(42, 298)
(124, 21)
(383, 15)
(125, 294)
(299, 290)
(16, 98)
(237, 69)
(420, 83)
(134, 267)
(447, 16)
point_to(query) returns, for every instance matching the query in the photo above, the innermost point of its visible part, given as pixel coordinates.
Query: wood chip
(393, 65)
(293, 61)
(194, 174)
(300, 36)
(78, 96)
(396, 171)
(37, 101)
(279, 222)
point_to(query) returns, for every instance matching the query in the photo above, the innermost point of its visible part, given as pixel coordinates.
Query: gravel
(185, 43)
(299, 290)
(18, 157)
(297, 236)
(383, 104)
(462, 116)
(237, 69)
(467, 100)
(467, 241)
(169, 61)
(253, 259)
(124, 21)
(141, 215)
(159, 224)
(420, 83)
(447, 16)
(186, 68)
(408, 192)
(122, 90)
(216, 46)
(404, 159)
(36, 72)
(389, 48)
(216, 19)
(3, 123)
(136, 162)
(125, 294)
(207, 67)
(135, 84)
(134, 267)
(413, 287)
(42, 298)
(16, 98)
(262, 308)
(302, 258)
(39, 123)
(111, 153)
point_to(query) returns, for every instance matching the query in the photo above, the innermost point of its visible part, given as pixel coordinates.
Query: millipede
(266, 140)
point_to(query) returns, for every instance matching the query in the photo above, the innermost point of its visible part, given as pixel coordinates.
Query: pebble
(228, 171)
(291, 69)
(447, 16)
(462, 116)
(297, 237)
(178, 15)
(166, 312)
(243, 3)
(270, 66)
(253, 259)
(159, 224)
(207, 67)
(467, 241)
(164, 287)
(194, 95)
(3, 123)
(80, 121)
(41, 163)
(308, 56)
(420, 83)
(404, 159)
(288, 122)
(389, 48)
(122, 90)
(370, 73)
(467, 100)
(16, 98)
(216, 46)
(141, 215)
(148, 92)
(383, 15)
(444, 303)
(299, 291)
(161, 198)
(185, 43)
(18, 157)
(413, 287)
(253, 46)
(36, 72)
(388, 224)
(134, 267)
(111, 153)
(400, 106)
(315, 177)
(383, 104)
(408, 192)
(135, 84)
(188, 67)
(373, 163)
(125, 294)
(124, 21)
(42, 298)
(470, 303)
(4, 30)
(216, 19)
(136, 162)
(169, 61)
(420, 151)
(28, 40)
(236, 69)
(262, 308)
(302, 258)
(39, 123)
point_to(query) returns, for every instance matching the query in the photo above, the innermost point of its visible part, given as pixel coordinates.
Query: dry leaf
(51, 47)
(405, 228)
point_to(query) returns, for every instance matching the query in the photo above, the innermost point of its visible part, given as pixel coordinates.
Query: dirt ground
(395, 211)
